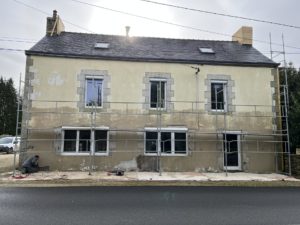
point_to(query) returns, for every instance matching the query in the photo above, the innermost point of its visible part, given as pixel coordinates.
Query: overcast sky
(22, 25)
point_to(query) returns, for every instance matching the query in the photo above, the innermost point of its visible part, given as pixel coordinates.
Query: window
(101, 45)
(101, 141)
(218, 95)
(172, 142)
(70, 141)
(84, 140)
(79, 141)
(151, 142)
(157, 93)
(93, 94)
(206, 50)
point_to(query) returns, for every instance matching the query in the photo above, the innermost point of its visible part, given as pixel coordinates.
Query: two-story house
(152, 103)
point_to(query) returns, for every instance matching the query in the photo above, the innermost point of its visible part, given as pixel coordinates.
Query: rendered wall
(53, 93)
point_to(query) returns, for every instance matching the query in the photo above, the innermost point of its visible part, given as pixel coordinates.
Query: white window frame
(239, 166)
(207, 50)
(92, 146)
(224, 82)
(95, 77)
(165, 93)
(171, 130)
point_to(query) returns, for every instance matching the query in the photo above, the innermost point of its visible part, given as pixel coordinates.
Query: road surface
(149, 205)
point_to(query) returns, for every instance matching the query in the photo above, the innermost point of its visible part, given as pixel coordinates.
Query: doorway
(232, 151)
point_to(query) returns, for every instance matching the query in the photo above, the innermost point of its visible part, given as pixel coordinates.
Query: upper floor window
(218, 95)
(93, 93)
(157, 93)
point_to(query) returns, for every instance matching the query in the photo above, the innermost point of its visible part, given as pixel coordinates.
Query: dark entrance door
(231, 151)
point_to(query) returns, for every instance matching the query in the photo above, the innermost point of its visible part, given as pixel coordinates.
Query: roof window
(101, 45)
(206, 50)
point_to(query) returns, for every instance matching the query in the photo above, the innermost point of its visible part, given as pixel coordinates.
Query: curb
(87, 182)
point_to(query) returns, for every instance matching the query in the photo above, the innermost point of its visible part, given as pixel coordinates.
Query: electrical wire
(12, 49)
(10, 40)
(174, 24)
(222, 14)
(18, 38)
(43, 12)
(147, 18)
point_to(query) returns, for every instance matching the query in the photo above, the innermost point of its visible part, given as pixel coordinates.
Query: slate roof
(81, 45)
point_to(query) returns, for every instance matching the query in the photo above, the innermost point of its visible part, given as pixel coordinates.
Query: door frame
(239, 166)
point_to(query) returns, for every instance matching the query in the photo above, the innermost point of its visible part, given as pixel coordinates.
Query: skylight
(206, 50)
(101, 45)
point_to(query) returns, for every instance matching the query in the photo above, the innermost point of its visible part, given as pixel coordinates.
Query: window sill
(218, 111)
(164, 155)
(83, 154)
(158, 109)
(93, 107)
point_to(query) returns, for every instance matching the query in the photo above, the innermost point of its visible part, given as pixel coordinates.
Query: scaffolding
(284, 103)
(197, 137)
(273, 141)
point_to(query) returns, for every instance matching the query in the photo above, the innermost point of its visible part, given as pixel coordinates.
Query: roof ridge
(164, 38)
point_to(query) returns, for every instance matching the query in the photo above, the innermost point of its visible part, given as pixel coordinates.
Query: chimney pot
(54, 14)
(127, 31)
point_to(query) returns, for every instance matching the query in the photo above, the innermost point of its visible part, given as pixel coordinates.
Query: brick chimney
(243, 36)
(54, 25)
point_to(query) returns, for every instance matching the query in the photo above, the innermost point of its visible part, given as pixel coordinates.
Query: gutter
(134, 59)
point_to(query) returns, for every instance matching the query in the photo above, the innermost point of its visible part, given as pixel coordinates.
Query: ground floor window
(84, 140)
(165, 141)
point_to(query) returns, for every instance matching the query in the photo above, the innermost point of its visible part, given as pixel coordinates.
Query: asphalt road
(149, 205)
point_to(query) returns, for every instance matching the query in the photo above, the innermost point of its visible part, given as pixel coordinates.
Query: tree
(293, 77)
(8, 107)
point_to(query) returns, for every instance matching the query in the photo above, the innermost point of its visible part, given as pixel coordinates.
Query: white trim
(94, 77)
(239, 166)
(92, 137)
(219, 81)
(225, 83)
(158, 79)
(84, 128)
(166, 129)
(165, 93)
(172, 130)
(107, 144)
(238, 132)
(101, 45)
(206, 50)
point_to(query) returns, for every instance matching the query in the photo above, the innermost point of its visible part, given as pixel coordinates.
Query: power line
(146, 18)
(18, 38)
(12, 49)
(173, 24)
(222, 14)
(287, 53)
(10, 40)
(43, 12)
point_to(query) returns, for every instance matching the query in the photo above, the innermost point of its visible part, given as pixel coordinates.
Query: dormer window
(206, 50)
(101, 45)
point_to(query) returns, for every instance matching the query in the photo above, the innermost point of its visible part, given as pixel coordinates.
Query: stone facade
(54, 98)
